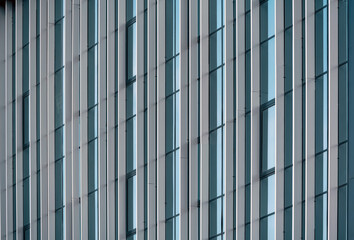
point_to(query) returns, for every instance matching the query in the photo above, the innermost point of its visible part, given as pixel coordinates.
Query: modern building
(177, 119)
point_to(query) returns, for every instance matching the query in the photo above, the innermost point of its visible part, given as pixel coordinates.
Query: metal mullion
(173, 150)
(343, 63)
(342, 143)
(216, 198)
(131, 80)
(131, 117)
(62, 67)
(57, 128)
(173, 93)
(266, 40)
(92, 191)
(216, 30)
(321, 8)
(61, 18)
(59, 159)
(268, 104)
(321, 194)
(91, 107)
(59, 208)
(92, 46)
(93, 139)
(267, 215)
(217, 235)
(267, 173)
(169, 59)
(131, 174)
(321, 75)
(320, 152)
(289, 91)
(131, 21)
(343, 185)
(174, 216)
(217, 68)
(214, 129)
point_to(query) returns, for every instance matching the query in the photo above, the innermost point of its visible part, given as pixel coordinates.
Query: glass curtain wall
(247, 118)
(235, 114)
(267, 78)
(288, 123)
(216, 119)
(25, 102)
(172, 119)
(14, 118)
(59, 109)
(38, 119)
(342, 119)
(131, 119)
(321, 118)
(92, 106)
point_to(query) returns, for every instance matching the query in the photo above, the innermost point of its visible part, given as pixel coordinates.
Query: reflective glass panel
(321, 113)
(216, 98)
(267, 73)
(267, 195)
(131, 203)
(216, 163)
(267, 19)
(268, 139)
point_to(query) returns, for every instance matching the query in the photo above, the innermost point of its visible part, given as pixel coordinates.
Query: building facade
(176, 119)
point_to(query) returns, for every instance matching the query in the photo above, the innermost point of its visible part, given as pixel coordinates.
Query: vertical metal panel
(332, 118)
(297, 119)
(279, 119)
(161, 120)
(240, 119)
(204, 115)
(229, 119)
(310, 120)
(255, 120)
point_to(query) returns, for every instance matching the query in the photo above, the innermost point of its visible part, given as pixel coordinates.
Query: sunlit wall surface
(176, 119)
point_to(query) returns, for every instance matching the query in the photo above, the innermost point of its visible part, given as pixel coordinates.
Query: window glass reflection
(321, 112)
(267, 20)
(321, 41)
(267, 73)
(216, 98)
(131, 203)
(268, 139)
(267, 199)
(216, 164)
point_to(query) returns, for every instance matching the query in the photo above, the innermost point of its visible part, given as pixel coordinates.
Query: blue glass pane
(288, 59)
(248, 149)
(25, 120)
(216, 49)
(92, 22)
(131, 144)
(267, 228)
(25, 21)
(59, 9)
(248, 81)
(342, 31)
(93, 216)
(26, 202)
(248, 31)
(321, 113)
(321, 217)
(25, 69)
(288, 13)
(320, 3)
(342, 163)
(172, 184)
(172, 28)
(131, 203)
(216, 163)
(59, 228)
(215, 15)
(131, 9)
(288, 224)
(247, 203)
(172, 76)
(267, 200)
(267, 73)
(288, 128)
(321, 173)
(131, 100)
(131, 51)
(268, 139)
(92, 165)
(172, 228)
(342, 213)
(59, 98)
(26, 164)
(59, 178)
(247, 5)
(59, 143)
(216, 99)
(343, 103)
(267, 19)
(59, 44)
(92, 123)
(288, 187)
(172, 122)
(92, 77)
(216, 216)
(321, 41)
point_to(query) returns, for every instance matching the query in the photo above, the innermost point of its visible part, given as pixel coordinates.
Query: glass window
(92, 166)
(131, 9)
(93, 216)
(321, 112)
(131, 51)
(342, 31)
(131, 203)
(131, 144)
(172, 28)
(216, 216)
(172, 122)
(321, 41)
(321, 173)
(59, 230)
(131, 100)
(216, 163)
(92, 123)
(25, 21)
(288, 13)
(172, 76)
(26, 203)
(215, 15)
(247, 203)
(59, 143)
(59, 9)
(248, 30)
(267, 195)
(288, 187)
(172, 228)
(59, 44)
(59, 98)
(59, 184)
(320, 3)
(25, 120)
(92, 77)
(92, 22)
(288, 59)
(248, 81)
(26, 166)
(342, 103)
(342, 163)
(288, 128)
(268, 139)
(321, 217)
(25, 69)
(342, 213)
(216, 99)
(288, 224)
(267, 73)
(216, 49)
(267, 228)
(267, 20)
(172, 184)
(248, 149)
